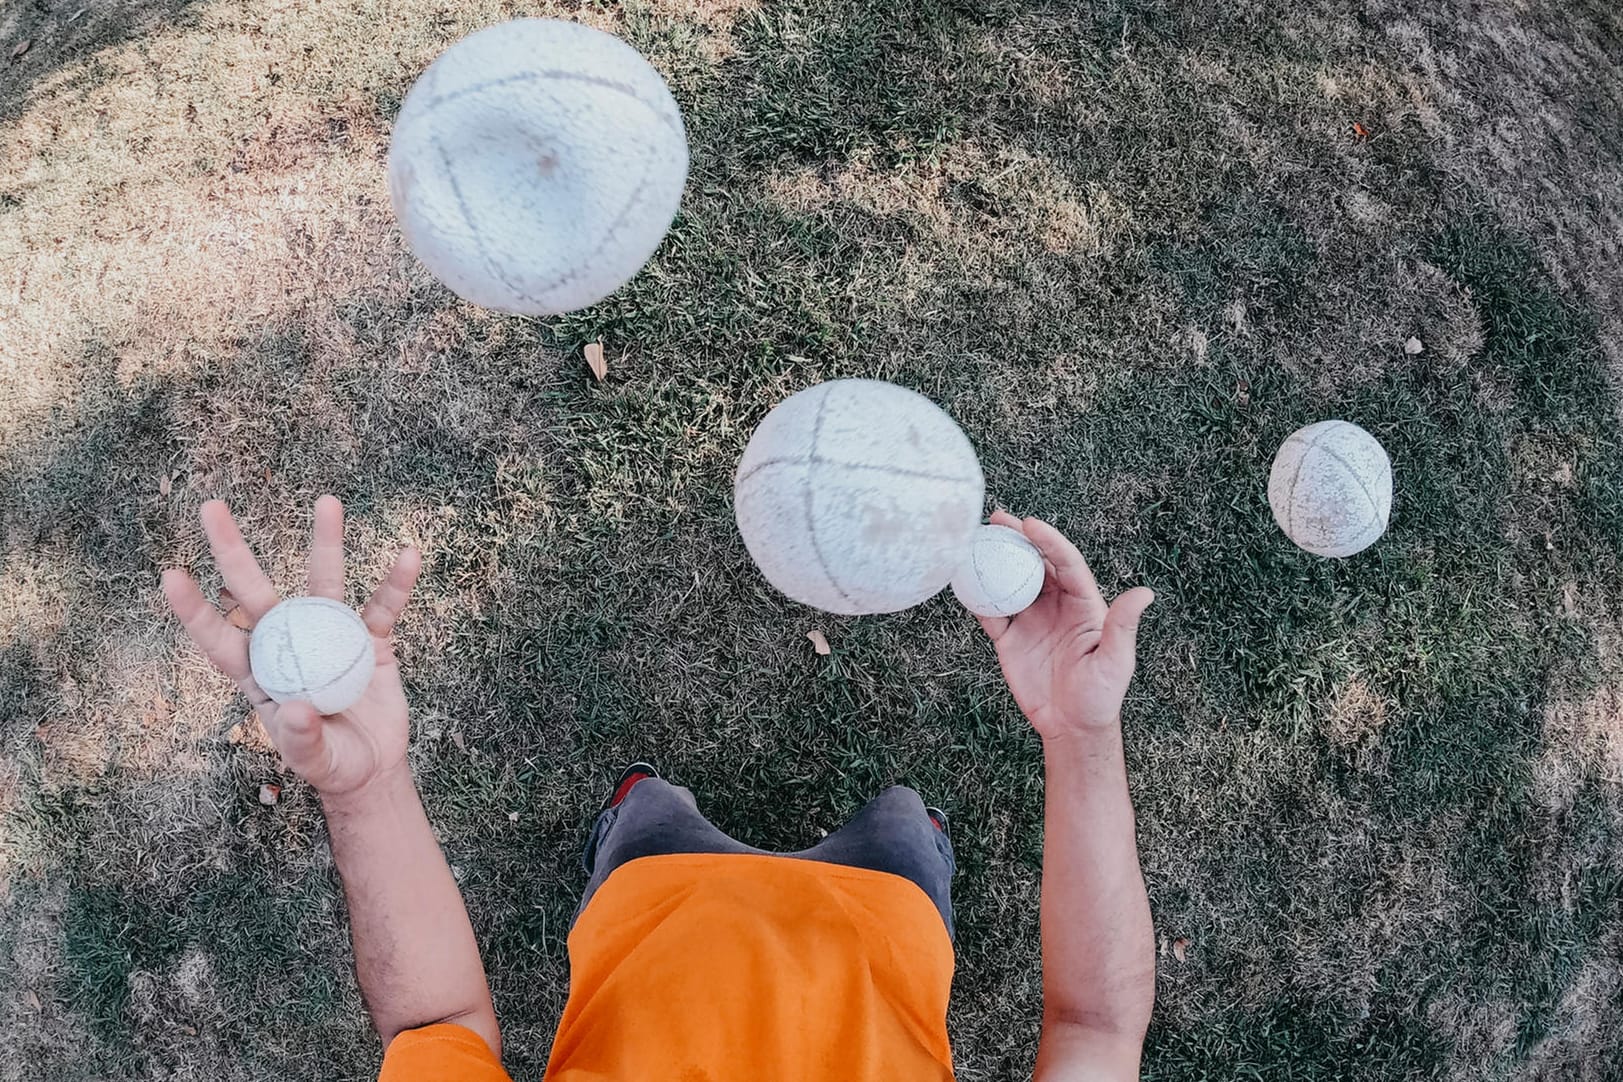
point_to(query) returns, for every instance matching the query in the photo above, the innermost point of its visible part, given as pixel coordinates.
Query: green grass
(1130, 246)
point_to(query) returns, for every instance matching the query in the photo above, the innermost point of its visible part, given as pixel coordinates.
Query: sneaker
(628, 779)
(939, 818)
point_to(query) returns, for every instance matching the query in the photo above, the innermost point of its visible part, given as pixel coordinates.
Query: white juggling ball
(1331, 488)
(857, 496)
(536, 165)
(312, 649)
(1002, 575)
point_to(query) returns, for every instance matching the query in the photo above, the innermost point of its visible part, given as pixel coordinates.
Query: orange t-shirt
(735, 968)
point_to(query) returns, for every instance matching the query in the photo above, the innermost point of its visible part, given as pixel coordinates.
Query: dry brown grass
(1129, 246)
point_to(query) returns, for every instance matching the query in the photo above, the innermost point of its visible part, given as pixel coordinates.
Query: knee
(902, 798)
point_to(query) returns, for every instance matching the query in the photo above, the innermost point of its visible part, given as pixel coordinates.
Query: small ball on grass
(1330, 488)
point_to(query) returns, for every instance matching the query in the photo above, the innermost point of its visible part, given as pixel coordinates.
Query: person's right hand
(1069, 657)
(341, 753)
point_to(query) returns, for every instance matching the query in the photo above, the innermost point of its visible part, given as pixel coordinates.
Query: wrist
(382, 790)
(1087, 740)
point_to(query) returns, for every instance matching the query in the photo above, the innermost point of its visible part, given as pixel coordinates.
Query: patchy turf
(1130, 245)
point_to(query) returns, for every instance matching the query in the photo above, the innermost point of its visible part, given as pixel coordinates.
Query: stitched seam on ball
(899, 471)
(1301, 464)
(291, 656)
(627, 89)
(811, 487)
(583, 264)
(1374, 507)
(347, 668)
(1025, 581)
(478, 239)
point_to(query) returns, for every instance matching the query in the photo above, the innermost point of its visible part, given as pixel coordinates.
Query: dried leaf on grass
(459, 740)
(1180, 947)
(1413, 346)
(595, 361)
(1165, 945)
(819, 642)
(22, 47)
(269, 794)
(235, 614)
(165, 484)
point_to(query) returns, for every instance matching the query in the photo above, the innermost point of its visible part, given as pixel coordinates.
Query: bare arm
(1098, 954)
(415, 953)
(1068, 659)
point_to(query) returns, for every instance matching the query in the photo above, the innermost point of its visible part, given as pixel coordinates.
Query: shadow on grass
(57, 35)
(594, 604)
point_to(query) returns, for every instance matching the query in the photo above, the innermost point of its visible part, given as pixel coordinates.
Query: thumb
(1120, 636)
(300, 737)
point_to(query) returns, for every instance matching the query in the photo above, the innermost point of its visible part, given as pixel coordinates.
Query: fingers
(1070, 571)
(236, 562)
(994, 626)
(224, 645)
(383, 608)
(1120, 636)
(1001, 517)
(296, 729)
(327, 550)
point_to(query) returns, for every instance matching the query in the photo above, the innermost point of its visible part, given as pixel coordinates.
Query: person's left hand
(340, 753)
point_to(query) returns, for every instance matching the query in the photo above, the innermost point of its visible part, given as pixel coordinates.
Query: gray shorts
(892, 833)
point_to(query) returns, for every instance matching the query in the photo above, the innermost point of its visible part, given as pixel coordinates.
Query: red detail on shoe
(937, 824)
(626, 787)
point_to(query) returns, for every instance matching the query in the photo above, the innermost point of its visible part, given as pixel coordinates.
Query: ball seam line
(1374, 506)
(583, 264)
(351, 666)
(811, 487)
(1301, 464)
(898, 471)
(628, 89)
(478, 239)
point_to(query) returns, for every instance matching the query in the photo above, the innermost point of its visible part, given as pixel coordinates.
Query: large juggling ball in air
(536, 165)
(857, 496)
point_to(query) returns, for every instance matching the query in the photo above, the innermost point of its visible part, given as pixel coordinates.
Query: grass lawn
(1129, 244)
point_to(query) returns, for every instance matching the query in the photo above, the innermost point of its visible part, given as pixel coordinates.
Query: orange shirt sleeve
(442, 1053)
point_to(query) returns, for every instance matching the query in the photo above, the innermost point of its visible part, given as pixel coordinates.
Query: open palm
(339, 753)
(1069, 657)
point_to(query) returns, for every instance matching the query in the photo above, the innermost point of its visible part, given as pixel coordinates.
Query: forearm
(415, 953)
(1098, 941)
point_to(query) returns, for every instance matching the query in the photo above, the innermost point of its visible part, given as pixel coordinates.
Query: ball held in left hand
(314, 650)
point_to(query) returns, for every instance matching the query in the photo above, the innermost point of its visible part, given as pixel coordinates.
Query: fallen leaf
(595, 361)
(1569, 599)
(31, 998)
(1164, 947)
(269, 794)
(22, 47)
(1413, 346)
(1360, 131)
(459, 741)
(819, 642)
(267, 475)
(512, 817)
(165, 484)
(1179, 947)
(235, 614)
